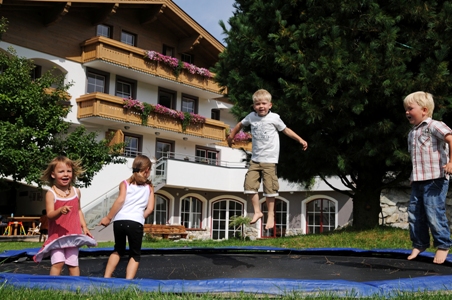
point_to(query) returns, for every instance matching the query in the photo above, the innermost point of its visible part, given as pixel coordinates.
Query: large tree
(338, 72)
(32, 126)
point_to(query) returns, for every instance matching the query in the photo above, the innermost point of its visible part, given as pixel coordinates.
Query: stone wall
(394, 206)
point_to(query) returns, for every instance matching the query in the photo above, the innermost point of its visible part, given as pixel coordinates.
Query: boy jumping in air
(265, 126)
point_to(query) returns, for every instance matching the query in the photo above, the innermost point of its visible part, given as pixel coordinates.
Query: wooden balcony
(111, 107)
(111, 51)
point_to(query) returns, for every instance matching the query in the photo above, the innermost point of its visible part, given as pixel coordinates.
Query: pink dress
(66, 230)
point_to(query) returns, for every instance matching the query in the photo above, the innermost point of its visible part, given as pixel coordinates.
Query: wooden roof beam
(151, 14)
(187, 44)
(103, 14)
(56, 13)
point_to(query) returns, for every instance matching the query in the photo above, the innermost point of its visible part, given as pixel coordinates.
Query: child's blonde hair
(423, 99)
(76, 166)
(140, 164)
(262, 95)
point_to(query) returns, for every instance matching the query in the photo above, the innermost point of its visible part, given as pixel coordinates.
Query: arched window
(280, 219)
(191, 212)
(160, 214)
(320, 215)
(222, 211)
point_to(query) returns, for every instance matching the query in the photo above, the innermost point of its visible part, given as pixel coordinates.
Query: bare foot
(270, 222)
(440, 256)
(256, 217)
(414, 253)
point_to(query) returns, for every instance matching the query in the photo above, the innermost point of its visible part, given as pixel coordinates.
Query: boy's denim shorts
(265, 172)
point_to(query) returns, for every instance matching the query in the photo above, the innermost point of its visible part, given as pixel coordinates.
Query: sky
(208, 13)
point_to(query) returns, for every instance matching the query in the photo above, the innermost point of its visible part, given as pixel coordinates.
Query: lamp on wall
(157, 133)
(185, 138)
(126, 127)
(186, 189)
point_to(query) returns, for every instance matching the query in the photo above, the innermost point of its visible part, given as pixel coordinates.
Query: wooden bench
(166, 231)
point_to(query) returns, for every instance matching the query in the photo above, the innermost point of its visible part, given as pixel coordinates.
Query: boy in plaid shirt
(429, 144)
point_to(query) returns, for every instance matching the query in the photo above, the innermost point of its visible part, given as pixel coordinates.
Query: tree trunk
(366, 201)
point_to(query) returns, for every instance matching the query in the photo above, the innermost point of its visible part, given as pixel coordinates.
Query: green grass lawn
(379, 238)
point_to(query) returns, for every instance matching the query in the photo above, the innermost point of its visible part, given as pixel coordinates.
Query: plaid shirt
(429, 152)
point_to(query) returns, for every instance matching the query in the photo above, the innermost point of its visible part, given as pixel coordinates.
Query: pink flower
(242, 136)
(174, 63)
(131, 103)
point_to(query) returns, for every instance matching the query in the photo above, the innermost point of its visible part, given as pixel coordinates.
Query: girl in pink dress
(66, 219)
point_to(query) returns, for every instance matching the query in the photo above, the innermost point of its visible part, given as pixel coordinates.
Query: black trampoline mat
(202, 266)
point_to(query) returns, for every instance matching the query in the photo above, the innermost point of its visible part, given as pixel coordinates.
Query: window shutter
(115, 137)
(118, 138)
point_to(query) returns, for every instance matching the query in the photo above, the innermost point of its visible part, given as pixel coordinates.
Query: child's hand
(87, 232)
(448, 168)
(64, 210)
(105, 221)
(230, 140)
(304, 144)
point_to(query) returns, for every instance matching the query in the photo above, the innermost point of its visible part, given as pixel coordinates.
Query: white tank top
(137, 197)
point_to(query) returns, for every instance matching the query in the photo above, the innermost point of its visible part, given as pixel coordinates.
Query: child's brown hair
(76, 166)
(140, 164)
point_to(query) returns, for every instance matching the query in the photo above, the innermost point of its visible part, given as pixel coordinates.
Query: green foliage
(32, 126)
(3, 26)
(239, 222)
(147, 110)
(338, 72)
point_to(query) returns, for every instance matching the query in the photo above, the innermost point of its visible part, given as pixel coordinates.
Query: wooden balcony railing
(111, 107)
(108, 50)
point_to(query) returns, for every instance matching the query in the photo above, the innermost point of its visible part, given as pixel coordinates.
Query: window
(97, 81)
(133, 143)
(189, 104)
(160, 214)
(320, 216)
(125, 88)
(280, 219)
(128, 38)
(215, 114)
(163, 149)
(36, 72)
(188, 58)
(207, 156)
(222, 211)
(168, 51)
(191, 212)
(167, 98)
(104, 30)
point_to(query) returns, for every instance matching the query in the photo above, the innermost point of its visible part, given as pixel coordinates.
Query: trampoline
(257, 270)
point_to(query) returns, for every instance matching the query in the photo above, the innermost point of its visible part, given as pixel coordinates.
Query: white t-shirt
(265, 132)
(136, 201)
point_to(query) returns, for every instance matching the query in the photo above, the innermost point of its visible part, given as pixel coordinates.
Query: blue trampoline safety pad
(239, 264)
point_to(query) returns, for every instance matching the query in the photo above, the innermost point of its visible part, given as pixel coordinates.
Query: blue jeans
(427, 210)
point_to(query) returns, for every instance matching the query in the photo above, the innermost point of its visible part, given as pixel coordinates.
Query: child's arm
(233, 132)
(82, 216)
(287, 131)
(119, 202)
(151, 202)
(53, 213)
(448, 167)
